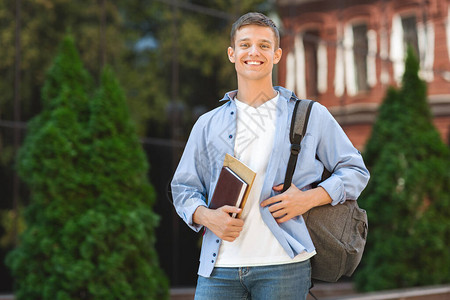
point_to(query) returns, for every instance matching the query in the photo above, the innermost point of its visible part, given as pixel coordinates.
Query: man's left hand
(294, 202)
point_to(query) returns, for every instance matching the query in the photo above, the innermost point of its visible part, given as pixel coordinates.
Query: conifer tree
(49, 163)
(121, 221)
(90, 226)
(408, 197)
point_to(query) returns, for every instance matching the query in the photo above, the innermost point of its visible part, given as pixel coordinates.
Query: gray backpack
(338, 232)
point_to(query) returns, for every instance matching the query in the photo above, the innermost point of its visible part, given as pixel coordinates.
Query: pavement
(338, 291)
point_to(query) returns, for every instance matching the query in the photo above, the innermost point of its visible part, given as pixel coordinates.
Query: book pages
(243, 171)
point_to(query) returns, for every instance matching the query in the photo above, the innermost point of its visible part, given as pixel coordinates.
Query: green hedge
(408, 196)
(90, 224)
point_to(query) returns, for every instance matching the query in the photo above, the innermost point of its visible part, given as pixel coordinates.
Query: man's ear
(277, 56)
(231, 54)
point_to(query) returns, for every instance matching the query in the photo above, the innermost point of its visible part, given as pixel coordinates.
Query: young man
(264, 254)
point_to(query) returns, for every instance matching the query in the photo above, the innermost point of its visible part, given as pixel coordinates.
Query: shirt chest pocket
(306, 168)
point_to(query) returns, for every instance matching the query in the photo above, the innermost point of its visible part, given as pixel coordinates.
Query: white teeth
(253, 63)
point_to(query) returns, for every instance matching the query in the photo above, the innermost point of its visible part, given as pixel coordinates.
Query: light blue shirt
(213, 135)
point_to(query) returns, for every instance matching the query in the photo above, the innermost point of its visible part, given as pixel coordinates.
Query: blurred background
(169, 57)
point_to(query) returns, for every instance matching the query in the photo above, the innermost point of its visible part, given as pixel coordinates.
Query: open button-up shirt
(325, 145)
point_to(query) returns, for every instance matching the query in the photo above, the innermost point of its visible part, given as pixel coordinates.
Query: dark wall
(178, 246)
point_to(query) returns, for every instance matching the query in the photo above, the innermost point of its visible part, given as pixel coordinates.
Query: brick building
(345, 53)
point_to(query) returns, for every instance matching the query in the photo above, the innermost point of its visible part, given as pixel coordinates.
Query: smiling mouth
(253, 63)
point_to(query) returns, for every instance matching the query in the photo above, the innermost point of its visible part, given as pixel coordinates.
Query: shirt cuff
(335, 188)
(188, 213)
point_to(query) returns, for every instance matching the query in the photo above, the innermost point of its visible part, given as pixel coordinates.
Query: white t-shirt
(256, 245)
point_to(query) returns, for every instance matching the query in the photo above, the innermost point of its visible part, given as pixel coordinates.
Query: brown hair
(255, 18)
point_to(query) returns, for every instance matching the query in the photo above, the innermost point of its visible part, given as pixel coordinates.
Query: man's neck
(255, 93)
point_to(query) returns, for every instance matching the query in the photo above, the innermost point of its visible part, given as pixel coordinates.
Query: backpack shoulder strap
(299, 123)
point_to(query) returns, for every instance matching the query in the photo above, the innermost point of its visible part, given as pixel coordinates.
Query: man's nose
(254, 50)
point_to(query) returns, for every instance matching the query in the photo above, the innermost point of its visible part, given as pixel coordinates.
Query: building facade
(346, 53)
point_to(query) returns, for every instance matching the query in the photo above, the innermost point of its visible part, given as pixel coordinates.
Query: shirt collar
(284, 93)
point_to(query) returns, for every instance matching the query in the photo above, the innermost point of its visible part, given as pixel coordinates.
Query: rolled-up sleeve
(334, 149)
(188, 184)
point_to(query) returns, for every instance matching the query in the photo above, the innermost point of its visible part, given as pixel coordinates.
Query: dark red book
(230, 190)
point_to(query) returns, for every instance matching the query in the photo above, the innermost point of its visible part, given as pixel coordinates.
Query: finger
(229, 239)
(283, 219)
(231, 209)
(278, 188)
(272, 200)
(277, 206)
(235, 222)
(231, 236)
(279, 214)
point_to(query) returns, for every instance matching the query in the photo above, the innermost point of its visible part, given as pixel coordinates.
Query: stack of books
(234, 184)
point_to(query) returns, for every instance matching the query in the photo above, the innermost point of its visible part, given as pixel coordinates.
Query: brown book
(230, 189)
(234, 184)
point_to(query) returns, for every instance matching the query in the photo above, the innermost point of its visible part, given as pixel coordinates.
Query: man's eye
(265, 46)
(244, 45)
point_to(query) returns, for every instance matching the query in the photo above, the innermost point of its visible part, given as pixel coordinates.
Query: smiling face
(255, 52)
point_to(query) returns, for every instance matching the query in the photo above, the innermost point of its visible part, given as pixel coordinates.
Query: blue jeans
(287, 282)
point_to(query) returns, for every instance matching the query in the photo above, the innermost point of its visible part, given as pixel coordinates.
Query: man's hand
(294, 202)
(219, 221)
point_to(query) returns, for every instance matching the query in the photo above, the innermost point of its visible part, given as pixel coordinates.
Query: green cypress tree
(49, 163)
(90, 226)
(408, 197)
(124, 237)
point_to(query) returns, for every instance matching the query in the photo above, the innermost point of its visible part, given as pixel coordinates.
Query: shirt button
(230, 136)
(214, 254)
(232, 113)
(217, 241)
(212, 261)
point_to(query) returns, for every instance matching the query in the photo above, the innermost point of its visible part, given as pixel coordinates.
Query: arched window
(410, 38)
(306, 65)
(406, 31)
(311, 44)
(360, 50)
(357, 59)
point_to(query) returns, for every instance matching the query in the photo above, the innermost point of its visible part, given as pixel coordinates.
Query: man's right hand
(219, 221)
